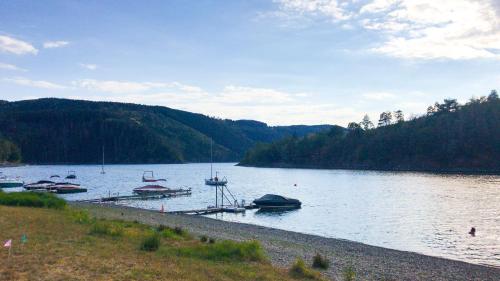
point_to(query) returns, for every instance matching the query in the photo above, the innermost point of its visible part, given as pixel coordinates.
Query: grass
(69, 245)
(31, 199)
(349, 274)
(320, 262)
(301, 271)
(151, 242)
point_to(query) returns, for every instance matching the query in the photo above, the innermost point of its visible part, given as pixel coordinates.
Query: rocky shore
(283, 247)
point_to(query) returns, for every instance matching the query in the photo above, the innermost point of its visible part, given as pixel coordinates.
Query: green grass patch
(151, 242)
(32, 199)
(224, 251)
(112, 229)
(176, 233)
(348, 274)
(299, 270)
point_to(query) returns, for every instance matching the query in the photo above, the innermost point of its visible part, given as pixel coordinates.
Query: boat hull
(11, 184)
(70, 190)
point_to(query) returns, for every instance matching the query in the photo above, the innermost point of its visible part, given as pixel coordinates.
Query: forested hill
(451, 137)
(73, 131)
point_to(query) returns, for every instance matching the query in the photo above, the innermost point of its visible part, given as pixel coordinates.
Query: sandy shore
(283, 247)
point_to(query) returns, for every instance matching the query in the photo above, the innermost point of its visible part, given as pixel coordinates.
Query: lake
(419, 212)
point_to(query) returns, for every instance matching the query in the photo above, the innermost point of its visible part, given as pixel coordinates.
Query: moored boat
(42, 184)
(155, 189)
(67, 187)
(71, 175)
(148, 176)
(273, 201)
(9, 182)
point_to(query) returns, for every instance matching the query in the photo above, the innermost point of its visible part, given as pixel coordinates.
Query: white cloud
(89, 66)
(329, 8)
(10, 67)
(16, 46)
(55, 44)
(35, 83)
(378, 96)
(415, 29)
(248, 95)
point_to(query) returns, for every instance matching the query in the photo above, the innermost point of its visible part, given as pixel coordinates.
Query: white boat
(43, 184)
(6, 182)
(215, 181)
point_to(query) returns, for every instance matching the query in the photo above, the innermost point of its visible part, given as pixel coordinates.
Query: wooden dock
(137, 197)
(207, 211)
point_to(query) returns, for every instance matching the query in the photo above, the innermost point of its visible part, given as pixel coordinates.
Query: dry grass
(61, 247)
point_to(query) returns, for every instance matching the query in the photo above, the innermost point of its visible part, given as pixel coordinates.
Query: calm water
(419, 212)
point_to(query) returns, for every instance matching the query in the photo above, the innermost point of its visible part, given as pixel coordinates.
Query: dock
(214, 210)
(137, 197)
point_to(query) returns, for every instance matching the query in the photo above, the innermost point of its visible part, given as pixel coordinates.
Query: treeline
(450, 137)
(72, 131)
(9, 152)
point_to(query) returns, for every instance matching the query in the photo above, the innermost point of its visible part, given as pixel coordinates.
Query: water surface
(419, 212)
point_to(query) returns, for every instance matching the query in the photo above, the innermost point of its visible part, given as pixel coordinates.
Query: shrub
(32, 199)
(300, 270)
(320, 262)
(151, 242)
(225, 251)
(204, 239)
(349, 274)
(106, 228)
(211, 240)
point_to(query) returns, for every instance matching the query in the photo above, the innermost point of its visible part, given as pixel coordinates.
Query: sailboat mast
(102, 166)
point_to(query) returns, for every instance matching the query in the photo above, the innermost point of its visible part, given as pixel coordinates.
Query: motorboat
(148, 176)
(67, 187)
(43, 184)
(273, 201)
(155, 189)
(6, 182)
(71, 175)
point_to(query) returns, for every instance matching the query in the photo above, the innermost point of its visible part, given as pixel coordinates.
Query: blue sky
(281, 62)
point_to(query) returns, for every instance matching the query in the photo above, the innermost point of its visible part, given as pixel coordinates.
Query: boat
(42, 184)
(215, 181)
(71, 175)
(54, 176)
(148, 176)
(6, 182)
(273, 201)
(67, 187)
(155, 189)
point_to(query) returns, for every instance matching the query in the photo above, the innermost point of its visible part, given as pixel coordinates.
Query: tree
(449, 105)
(493, 95)
(398, 114)
(366, 124)
(431, 110)
(353, 126)
(385, 119)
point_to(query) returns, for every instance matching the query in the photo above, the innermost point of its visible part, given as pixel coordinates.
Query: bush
(151, 242)
(204, 239)
(32, 199)
(300, 270)
(225, 251)
(320, 262)
(106, 228)
(211, 240)
(349, 274)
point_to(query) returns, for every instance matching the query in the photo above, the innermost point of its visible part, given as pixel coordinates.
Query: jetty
(116, 198)
(214, 210)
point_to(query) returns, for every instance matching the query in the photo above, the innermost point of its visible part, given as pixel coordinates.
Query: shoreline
(283, 247)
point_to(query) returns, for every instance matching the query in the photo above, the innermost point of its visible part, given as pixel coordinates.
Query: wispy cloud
(415, 29)
(10, 67)
(16, 46)
(35, 83)
(378, 96)
(89, 66)
(55, 44)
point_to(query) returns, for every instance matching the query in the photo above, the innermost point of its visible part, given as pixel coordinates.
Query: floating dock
(138, 197)
(207, 211)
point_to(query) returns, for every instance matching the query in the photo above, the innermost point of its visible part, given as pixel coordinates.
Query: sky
(278, 61)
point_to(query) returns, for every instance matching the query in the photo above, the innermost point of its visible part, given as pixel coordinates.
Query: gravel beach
(283, 247)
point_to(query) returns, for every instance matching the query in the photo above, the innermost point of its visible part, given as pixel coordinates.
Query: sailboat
(214, 180)
(102, 166)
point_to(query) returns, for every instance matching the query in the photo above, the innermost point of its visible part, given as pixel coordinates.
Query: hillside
(450, 137)
(73, 131)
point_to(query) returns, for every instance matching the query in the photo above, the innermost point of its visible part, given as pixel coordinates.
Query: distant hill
(450, 137)
(53, 130)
